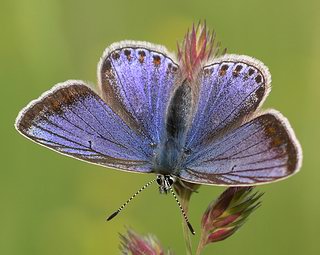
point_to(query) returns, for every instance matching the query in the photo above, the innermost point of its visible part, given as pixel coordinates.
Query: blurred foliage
(52, 204)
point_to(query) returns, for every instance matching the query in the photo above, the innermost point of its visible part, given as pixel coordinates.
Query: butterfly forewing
(230, 90)
(73, 120)
(260, 151)
(136, 79)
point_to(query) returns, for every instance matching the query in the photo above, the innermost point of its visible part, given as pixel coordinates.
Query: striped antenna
(122, 206)
(183, 212)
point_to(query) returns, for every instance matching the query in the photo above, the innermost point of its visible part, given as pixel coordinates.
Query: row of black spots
(141, 56)
(128, 54)
(208, 71)
(222, 71)
(236, 72)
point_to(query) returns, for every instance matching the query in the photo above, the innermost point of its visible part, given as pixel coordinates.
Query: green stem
(200, 245)
(184, 191)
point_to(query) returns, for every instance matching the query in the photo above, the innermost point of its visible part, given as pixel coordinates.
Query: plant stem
(200, 245)
(184, 191)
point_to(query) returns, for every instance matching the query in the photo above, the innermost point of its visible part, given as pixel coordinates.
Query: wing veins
(235, 108)
(120, 125)
(223, 141)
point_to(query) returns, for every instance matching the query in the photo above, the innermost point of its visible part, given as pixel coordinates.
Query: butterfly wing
(262, 150)
(230, 90)
(136, 79)
(73, 120)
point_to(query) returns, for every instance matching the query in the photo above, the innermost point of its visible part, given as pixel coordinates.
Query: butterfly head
(165, 182)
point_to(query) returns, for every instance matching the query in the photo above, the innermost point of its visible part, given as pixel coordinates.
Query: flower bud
(134, 244)
(227, 214)
(197, 47)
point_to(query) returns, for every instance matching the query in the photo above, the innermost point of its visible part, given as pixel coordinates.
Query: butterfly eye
(170, 180)
(159, 181)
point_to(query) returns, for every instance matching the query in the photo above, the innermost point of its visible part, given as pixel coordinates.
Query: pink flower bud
(227, 214)
(134, 244)
(198, 46)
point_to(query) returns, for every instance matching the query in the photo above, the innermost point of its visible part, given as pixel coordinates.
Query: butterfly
(149, 118)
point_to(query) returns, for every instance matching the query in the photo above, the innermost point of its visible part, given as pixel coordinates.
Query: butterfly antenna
(183, 212)
(123, 206)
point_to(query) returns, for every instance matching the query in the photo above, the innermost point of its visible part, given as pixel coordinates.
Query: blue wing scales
(73, 120)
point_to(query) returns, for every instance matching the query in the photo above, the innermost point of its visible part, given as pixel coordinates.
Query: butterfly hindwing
(73, 120)
(263, 150)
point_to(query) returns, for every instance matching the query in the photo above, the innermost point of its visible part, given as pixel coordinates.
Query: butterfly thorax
(169, 158)
(171, 152)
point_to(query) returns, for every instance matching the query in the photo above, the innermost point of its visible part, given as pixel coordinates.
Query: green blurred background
(52, 204)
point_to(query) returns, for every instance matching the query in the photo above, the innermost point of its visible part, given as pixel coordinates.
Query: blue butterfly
(154, 115)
